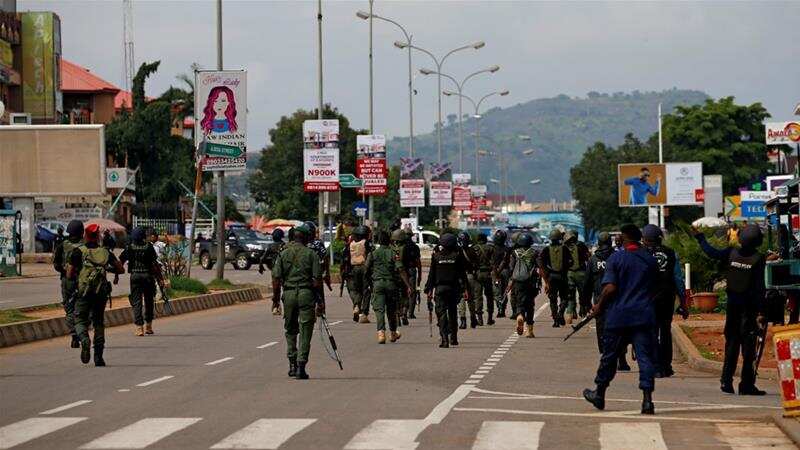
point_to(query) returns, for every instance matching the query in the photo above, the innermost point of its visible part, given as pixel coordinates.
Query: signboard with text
(752, 203)
(778, 133)
(652, 184)
(320, 155)
(221, 119)
(462, 197)
(441, 186)
(371, 164)
(412, 183)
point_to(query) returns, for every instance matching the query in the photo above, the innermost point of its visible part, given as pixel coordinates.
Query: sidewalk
(34, 270)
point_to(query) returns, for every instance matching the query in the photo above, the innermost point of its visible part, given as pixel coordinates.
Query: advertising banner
(320, 155)
(462, 178)
(412, 183)
(778, 133)
(6, 54)
(462, 198)
(220, 123)
(371, 164)
(652, 184)
(41, 54)
(733, 208)
(441, 188)
(751, 203)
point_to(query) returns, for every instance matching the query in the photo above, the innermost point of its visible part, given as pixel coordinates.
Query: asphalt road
(22, 292)
(217, 379)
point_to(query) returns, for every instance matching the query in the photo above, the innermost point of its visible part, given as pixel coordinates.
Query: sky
(745, 49)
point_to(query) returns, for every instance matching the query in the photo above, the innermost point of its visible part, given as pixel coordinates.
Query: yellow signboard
(6, 55)
(38, 65)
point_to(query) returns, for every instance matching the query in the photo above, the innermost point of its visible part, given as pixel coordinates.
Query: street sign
(360, 209)
(349, 181)
(222, 150)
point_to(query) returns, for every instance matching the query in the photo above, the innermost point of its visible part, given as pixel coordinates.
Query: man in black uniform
(68, 286)
(745, 287)
(499, 272)
(269, 256)
(555, 261)
(669, 283)
(144, 269)
(471, 256)
(486, 256)
(448, 277)
(413, 266)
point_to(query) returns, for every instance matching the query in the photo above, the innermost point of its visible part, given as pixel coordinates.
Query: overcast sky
(745, 49)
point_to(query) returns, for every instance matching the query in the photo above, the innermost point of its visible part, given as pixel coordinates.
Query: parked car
(243, 248)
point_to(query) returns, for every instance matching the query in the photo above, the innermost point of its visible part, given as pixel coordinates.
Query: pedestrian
(269, 256)
(318, 246)
(500, 272)
(61, 262)
(669, 284)
(471, 256)
(627, 303)
(554, 260)
(384, 270)
(485, 288)
(594, 283)
(298, 275)
(354, 263)
(89, 264)
(447, 282)
(412, 261)
(159, 246)
(144, 269)
(744, 274)
(576, 276)
(524, 283)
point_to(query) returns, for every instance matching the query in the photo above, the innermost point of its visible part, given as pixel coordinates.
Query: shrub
(223, 284)
(187, 285)
(705, 271)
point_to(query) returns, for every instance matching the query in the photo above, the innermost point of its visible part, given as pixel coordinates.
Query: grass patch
(12, 316)
(178, 294)
(184, 287)
(221, 285)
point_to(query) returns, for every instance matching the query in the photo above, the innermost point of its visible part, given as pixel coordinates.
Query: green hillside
(560, 128)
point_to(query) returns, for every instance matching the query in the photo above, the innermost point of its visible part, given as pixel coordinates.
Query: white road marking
(631, 436)
(219, 361)
(29, 429)
(472, 381)
(476, 377)
(482, 372)
(490, 364)
(598, 415)
(388, 435)
(142, 433)
(754, 436)
(65, 407)
(268, 344)
(494, 360)
(485, 367)
(335, 323)
(508, 435)
(264, 434)
(123, 390)
(157, 380)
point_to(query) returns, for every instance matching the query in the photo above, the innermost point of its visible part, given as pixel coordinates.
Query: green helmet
(604, 239)
(570, 235)
(398, 236)
(302, 229)
(514, 236)
(556, 235)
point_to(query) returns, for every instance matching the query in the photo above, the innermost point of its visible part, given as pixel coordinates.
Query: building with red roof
(87, 97)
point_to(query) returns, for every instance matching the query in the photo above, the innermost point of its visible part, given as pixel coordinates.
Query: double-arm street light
(502, 165)
(477, 116)
(460, 93)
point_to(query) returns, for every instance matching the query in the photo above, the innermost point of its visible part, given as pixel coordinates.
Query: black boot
(301, 371)
(86, 352)
(647, 402)
(444, 343)
(292, 368)
(726, 387)
(411, 315)
(404, 320)
(473, 321)
(556, 323)
(98, 358)
(596, 397)
(750, 390)
(480, 320)
(76, 343)
(489, 320)
(453, 340)
(463, 323)
(623, 366)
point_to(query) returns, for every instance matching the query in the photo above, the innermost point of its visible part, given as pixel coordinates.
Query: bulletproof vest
(136, 258)
(556, 257)
(68, 247)
(358, 252)
(384, 263)
(665, 259)
(575, 256)
(485, 257)
(447, 269)
(272, 253)
(742, 272)
(295, 266)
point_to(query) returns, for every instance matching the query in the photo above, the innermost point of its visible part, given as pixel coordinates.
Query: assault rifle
(165, 298)
(430, 314)
(330, 347)
(761, 343)
(579, 325)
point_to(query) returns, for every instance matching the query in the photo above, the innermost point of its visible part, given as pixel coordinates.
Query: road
(217, 379)
(22, 292)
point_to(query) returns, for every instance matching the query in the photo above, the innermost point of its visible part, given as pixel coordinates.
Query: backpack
(92, 277)
(358, 252)
(523, 265)
(556, 257)
(574, 252)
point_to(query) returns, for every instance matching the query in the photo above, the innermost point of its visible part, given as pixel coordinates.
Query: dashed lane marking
(268, 344)
(157, 380)
(65, 407)
(219, 361)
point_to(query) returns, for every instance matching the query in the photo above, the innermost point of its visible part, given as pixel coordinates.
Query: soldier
(448, 278)
(627, 303)
(144, 269)
(269, 256)
(668, 284)
(298, 274)
(398, 242)
(745, 287)
(384, 269)
(88, 266)
(471, 256)
(554, 261)
(594, 284)
(576, 276)
(524, 283)
(315, 243)
(486, 255)
(353, 267)
(500, 272)
(413, 264)
(61, 258)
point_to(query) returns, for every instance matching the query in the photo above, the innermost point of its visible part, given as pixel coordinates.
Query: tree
(231, 213)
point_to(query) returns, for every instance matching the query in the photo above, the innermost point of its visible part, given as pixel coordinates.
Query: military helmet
(311, 227)
(751, 236)
(556, 235)
(464, 239)
(570, 235)
(398, 235)
(277, 235)
(652, 232)
(524, 240)
(500, 237)
(482, 238)
(302, 229)
(604, 239)
(448, 241)
(75, 228)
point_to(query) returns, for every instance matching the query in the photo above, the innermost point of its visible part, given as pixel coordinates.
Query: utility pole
(661, 220)
(371, 107)
(320, 209)
(220, 173)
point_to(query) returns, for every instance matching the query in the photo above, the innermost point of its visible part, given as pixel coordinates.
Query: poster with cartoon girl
(221, 119)
(219, 114)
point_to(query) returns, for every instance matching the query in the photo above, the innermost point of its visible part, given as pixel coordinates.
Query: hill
(560, 128)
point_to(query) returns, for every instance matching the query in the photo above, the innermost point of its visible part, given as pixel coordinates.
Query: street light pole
(661, 220)
(220, 173)
(320, 209)
(370, 207)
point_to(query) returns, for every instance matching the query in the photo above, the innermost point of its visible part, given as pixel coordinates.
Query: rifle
(579, 325)
(430, 314)
(761, 343)
(165, 298)
(345, 276)
(331, 348)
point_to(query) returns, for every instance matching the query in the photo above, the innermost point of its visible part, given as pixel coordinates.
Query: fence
(162, 226)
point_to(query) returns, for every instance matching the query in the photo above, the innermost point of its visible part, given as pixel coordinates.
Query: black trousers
(447, 299)
(614, 343)
(664, 335)
(559, 288)
(600, 326)
(740, 336)
(143, 292)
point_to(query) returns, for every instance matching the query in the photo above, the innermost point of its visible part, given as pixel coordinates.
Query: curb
(789, 425)
(696, 361)
(39, 329)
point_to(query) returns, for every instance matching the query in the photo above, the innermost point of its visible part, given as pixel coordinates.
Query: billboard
(321, 155)
(751, 203)
(371, 164)
(221, 119)
(412, 183)
(41, 58)
(652, 184)
(441, 186)
(778, 133)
